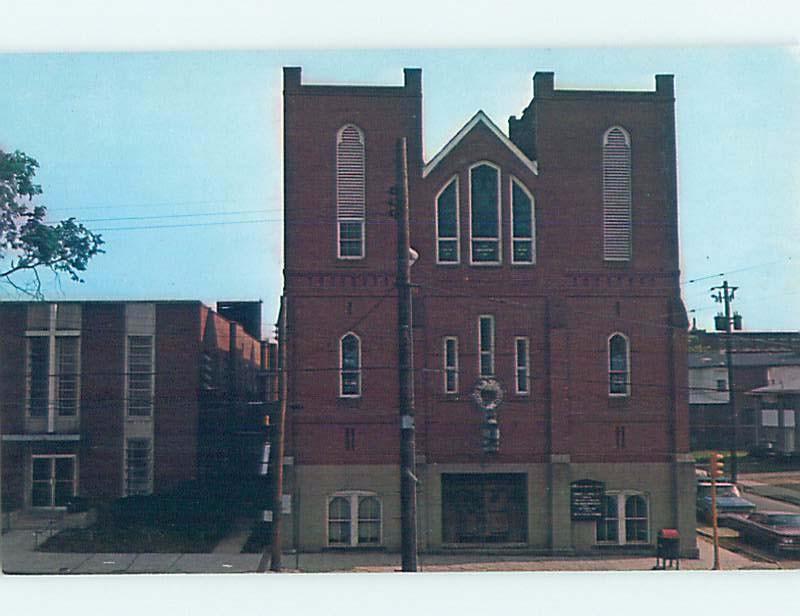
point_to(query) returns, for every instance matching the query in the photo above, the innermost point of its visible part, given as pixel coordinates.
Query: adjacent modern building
(763, 364)
(550, 340)
(104, 399)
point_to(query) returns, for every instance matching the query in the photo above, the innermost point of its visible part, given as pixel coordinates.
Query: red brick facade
(193, 396)
(567, 303)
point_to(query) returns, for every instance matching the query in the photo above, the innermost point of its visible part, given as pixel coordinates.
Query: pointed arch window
(447, 245)
(350, 192)
(523, 234)
(619, 370)
(617, 227)
(484, 200)
(350, 366)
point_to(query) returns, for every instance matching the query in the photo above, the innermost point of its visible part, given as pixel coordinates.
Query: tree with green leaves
(28, 242)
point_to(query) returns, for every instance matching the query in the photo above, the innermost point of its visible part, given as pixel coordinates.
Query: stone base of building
(487, 508)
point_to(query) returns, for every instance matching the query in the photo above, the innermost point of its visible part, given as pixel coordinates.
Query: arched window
(447, 245)
(617, 244)
(636, 519)
(350, 366)
(625, 519)
(619, 371)
(339, 521)
(484, 200)
(350, 192)
(354, 519)
(523, 234)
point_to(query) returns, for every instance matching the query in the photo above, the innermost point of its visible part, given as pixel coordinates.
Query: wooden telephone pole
(408, 477)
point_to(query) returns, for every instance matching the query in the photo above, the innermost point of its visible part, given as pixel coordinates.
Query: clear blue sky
(140, 135)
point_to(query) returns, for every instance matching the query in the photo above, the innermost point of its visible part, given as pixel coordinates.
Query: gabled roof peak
(479, 117)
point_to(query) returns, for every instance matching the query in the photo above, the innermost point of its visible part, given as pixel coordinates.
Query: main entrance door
(53, 480)
(484, 508)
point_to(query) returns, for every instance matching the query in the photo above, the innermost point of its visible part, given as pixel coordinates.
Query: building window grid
(523, 225)
(350, 192)
(448, 245)
(53, 361)
(486, 341)
(485, 242)
(522, 365)
(138, 466)
(350, 366)
(625, 519)
(354, 519)
(53, 480)
(450, 365)
(619, 365)
(140, 376)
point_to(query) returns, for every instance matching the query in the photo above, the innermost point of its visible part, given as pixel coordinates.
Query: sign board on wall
(586, 499)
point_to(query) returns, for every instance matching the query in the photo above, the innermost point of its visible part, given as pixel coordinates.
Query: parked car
(779, 530)
(729, 500)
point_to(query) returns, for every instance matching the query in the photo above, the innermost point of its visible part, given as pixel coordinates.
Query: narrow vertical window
(350, 192)
(451, 365)
(616, 195)
(636, 519)
(522, 360)
(38, 375)
(339, 521)
(138, 466)
(618, 366)
(447, 245)
(484, 191)
(369, 520)
(68, 358)
(141, 376)
(486, 345)
(522, 224)
(350, 366)
(608, 525)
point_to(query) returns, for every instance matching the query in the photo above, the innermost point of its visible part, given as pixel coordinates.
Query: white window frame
(342, 369)
(351, 219)
(532, 238)
(622, 497)
(150, 464)
(527, 367)
(52, 333)
(339, 254)
(458, 221)
(353, 497)
(128, 375)
(609, 371)
(629, 249)
(499, 237)
(450, 369)
(52, 479)
(491, 351)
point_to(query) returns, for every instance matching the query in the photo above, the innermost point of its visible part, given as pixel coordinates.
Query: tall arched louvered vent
(350, 192)
(616, 195)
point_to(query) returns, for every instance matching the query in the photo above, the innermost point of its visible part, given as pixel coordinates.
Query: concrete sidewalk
(19, 557)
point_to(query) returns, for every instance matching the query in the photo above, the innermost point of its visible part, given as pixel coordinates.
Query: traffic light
(716, 464)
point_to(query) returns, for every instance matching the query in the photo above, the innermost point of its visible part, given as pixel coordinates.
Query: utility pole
(276, 451)
(724, 295)
(408, 477)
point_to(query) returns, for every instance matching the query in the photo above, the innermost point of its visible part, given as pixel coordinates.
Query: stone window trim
(629, 523)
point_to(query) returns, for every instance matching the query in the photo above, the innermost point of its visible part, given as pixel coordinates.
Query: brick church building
(547, 280)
